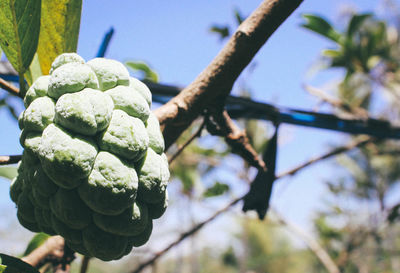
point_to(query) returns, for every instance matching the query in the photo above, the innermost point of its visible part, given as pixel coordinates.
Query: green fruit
(130, 222)
(93, 168)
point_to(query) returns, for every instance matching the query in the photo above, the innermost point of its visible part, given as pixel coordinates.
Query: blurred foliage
(216, 189)
(354, 227)
(224, 31)
(144, 70)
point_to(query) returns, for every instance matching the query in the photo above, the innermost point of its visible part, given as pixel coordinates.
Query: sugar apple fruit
(93, 168)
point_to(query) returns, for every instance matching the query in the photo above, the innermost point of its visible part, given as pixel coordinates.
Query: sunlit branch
(9, 159)
(9, 87)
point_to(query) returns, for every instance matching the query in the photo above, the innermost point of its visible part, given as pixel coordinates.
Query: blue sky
(173, 37)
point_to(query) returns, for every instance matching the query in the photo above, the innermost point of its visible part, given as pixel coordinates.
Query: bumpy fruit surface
(93, 168)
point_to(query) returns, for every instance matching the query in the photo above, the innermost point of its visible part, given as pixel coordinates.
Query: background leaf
(8, 172)
(36, 241)
(222, 31)
(2, 267)
(216, 190)
(15, 265)
(19, 32)
(59, 31)
(239, 17)
(148, 73)
(321, 26)
(355, 23)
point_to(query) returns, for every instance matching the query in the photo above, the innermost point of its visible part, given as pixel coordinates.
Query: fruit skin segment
(93, 168)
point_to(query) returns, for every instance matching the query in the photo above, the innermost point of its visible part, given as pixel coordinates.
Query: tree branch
(9, 159)
(198, 226)
(221, 124)
(353, 112)
(216, 81)
(356, 143)
(9, 87)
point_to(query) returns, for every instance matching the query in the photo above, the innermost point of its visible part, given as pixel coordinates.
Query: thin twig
(312, 244)
(356, 143)
(9, 87)
(9, 159)
(198, 226)
(352, 111)
(195, 135)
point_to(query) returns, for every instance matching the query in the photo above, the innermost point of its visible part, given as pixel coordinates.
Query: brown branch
(312, 244)
(198, 226)
(216, 81)
(181, 148)
(353, 112)
(221, 124)
(356, 143)
(9, 87)
(9, 159)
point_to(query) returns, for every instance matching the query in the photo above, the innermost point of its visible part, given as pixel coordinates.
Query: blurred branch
(338, 150)
(198, 226)
(312, 244)
(195, 135)
(9, 159)
(216, 81)
(9, 87)
(354, 112)
(221, 124)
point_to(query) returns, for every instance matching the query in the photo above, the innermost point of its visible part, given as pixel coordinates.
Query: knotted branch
(221, 124)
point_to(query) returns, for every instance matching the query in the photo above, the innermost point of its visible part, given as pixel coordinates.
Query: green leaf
(8, 172)
(15, 265)
(216, 190)
(19, 32)
(355, 23)
(2, 267)
(59, 30)
(148, 73)
(321, 26)
(331, 53)
(36, 241)
(222, 31)
(34, 71)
